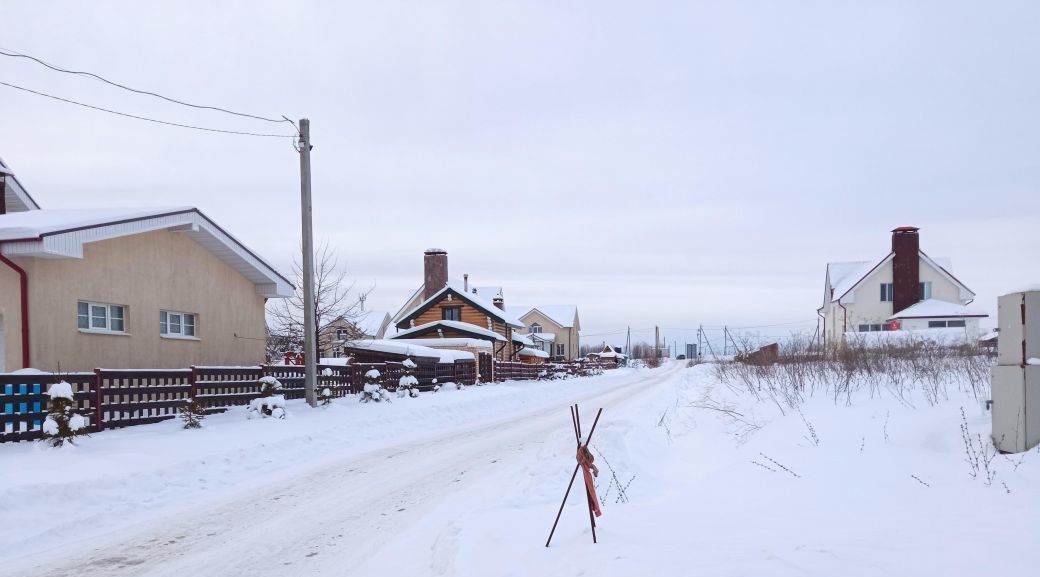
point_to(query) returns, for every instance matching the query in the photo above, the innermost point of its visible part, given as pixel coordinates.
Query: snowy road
(333, 519)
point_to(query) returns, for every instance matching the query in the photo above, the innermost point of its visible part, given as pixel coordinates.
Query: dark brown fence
(111, 398)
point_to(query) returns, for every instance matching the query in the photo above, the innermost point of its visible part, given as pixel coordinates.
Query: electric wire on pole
(309, 330)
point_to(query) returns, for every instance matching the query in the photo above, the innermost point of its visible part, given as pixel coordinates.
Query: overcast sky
(670, 163)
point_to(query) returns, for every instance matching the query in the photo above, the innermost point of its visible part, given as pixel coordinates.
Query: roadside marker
(589, 470)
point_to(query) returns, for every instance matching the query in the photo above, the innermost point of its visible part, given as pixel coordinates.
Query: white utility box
(1016, 378)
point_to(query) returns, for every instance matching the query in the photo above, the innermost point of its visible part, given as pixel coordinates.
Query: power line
(92, 107)
(13, 54)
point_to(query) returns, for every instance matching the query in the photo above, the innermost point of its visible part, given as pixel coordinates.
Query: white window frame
(108, 319)
(166, 325)
(536, 328)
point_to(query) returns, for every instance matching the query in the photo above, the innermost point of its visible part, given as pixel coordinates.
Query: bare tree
(336, 307)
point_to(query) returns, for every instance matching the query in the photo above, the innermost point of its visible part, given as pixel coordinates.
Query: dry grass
(907, 370)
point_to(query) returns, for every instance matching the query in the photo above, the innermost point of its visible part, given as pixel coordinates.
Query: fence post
(99, 423)
(191, 381)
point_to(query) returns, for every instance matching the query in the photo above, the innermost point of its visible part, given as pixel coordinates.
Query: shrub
(62, 424)
(373, 391)
(270, 403)
(192, 413)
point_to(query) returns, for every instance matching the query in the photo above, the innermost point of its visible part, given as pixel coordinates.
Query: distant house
(905, 290)
(453, 312)
(553, 328)
(609, 354)
(126, 288)
(368, 325)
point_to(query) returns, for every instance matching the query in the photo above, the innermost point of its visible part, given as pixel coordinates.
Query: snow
(77, 422)
(392, 347)
(485, 304)
(518, 338)
(327, 372)
(372, 374)
(1033, 361)
(457, 325)
(468, 484)
(945, 336)
(61, 390)
(34, 223)
(50, 426)
(526, 352)
(371, 322)
(563, 315)
(544, 337)
(934, 308)
(408, 364)
(451, 342)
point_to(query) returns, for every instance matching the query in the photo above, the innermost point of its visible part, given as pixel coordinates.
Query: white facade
(853, 299)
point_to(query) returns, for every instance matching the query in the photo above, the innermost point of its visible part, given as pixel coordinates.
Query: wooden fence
(113, 398)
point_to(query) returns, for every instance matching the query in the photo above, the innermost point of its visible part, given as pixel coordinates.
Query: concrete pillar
(1016, 378)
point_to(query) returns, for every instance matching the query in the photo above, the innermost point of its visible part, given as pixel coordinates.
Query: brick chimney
(435, 271)
(906, 267)
(499, 302)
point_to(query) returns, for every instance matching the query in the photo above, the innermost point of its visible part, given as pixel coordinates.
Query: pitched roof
(474, 299)
(526, 352)
(458, 326)
(17, 197)
(846, 276)
(562, 315)
(934, 308)
(371, 322)
(62, 234)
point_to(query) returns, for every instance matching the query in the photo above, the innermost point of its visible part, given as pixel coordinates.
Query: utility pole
(628, 342)
(700, 331)
(725, 341)
(310, 347)
(657, 342)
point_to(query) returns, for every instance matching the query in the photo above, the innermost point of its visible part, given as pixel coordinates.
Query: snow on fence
(113, 398)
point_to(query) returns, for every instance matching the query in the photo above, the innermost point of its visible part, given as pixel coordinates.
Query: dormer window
(536, 328)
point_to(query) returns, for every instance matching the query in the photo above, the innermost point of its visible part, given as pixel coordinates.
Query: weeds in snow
(622, 496)
(766, 467)
(918, 479)
(812, 437)
(768, 458)
(978, 454)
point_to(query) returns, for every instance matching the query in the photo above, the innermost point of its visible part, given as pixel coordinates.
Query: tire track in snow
(328, 520)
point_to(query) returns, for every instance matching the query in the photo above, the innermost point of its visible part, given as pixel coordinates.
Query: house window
(536, 328)
(451, 313)
(341, 335)
(100, 317)
(177, 324)
(559, 350)
(947, 324)
(924, 291)
(886, 292)
(874, 328)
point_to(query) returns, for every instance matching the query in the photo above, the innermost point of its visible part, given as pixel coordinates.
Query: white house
(906, 290)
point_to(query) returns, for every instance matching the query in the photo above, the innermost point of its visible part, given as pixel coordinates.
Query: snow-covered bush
(192, 412)
(408, 385)
(449, 386)
(325, 396)
(270, 403)
(373, 390)
(62, 423)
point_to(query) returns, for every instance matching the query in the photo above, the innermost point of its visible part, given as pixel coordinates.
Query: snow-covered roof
(450, 342)
(519, 338)
(846, 276)
(16, 197)
(563, 315)
(489, 292)
(544, 337)
(447, 325)
(990, 336)
(526, 352)
(398, 348)
(609, 355)
(934, 308)
(475, 299)
(62, 234)
(371, 322)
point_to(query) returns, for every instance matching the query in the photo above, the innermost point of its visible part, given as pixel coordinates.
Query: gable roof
(562, 315)
(457, 326)
(456, 290)
(16, 197)
(371, 323)
(62, 234)
(844, 277)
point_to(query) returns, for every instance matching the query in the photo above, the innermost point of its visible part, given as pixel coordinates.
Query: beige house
(160, 288)
(905, 291)
(552, 328)
(340, 333)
